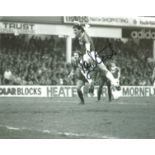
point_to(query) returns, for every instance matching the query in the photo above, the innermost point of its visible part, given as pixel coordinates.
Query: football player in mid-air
(89, 59)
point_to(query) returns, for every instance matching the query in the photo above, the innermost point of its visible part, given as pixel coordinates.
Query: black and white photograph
(77, 77)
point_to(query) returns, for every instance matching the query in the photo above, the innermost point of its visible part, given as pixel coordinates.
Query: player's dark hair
(79, 27)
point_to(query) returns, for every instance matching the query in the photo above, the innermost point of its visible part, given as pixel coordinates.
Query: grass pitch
(63, 118)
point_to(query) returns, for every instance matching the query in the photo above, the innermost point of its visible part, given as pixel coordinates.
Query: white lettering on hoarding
(10, 27)
(22, 91)
(127, 91)
(60, 91)
(69, 91)
(19, 26)
(102, 20)
(145, 22)
(138, 91)
(143, 34)
(71, 19)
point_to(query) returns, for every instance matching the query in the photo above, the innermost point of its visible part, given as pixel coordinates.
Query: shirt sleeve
(87, 42)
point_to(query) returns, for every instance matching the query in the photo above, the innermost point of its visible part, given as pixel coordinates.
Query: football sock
(80, 95)
(99, 93)
(109, 93)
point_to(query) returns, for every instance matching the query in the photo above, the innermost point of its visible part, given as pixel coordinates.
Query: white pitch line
(12, 128)
(60, 133)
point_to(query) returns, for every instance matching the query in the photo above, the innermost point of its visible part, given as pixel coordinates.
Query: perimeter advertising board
(148, 22)
(69, 91)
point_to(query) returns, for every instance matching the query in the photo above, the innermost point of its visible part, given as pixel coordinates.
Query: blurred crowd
(33, 61)
(36, 60)
(135, 58)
